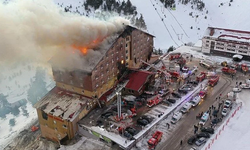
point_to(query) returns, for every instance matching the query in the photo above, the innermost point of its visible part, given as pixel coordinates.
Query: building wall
(141, 48)
(54, 127)
(104, 75)
(225, 46)
(74, 89)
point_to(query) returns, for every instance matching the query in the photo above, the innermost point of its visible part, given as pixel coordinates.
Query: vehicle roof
(177, 114)
(187, 104)
(205, 116)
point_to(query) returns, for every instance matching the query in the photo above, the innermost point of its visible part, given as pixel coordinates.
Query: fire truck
(203, 92)
(173, 56)
(154, 140)
(156, 100)
(174, 74)
(201, 77)
(227, 70)
(213, 80)
(244, 68)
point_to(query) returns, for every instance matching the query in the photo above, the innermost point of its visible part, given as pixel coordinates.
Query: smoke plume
(38, 29)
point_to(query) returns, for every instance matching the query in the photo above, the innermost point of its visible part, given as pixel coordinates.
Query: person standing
(181, 142)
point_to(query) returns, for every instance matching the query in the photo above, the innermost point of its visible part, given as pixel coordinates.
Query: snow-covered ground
(15, 84)
(236, 133)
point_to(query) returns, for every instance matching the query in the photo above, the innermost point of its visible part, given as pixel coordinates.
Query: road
(186, 129)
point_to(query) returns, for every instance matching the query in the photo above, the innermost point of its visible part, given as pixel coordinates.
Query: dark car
(208, 130)
(216, 120)
(181, 90)
(193, 82)
(131, 130)
(171, 100)
(142, 122)
(203, 134)
(149, 119)
(177, 95)
(167, 103)
(106, 114)
(128, 135)
(99, 123)
(192, 139)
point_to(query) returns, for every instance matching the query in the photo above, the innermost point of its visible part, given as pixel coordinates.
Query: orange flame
(82, 49)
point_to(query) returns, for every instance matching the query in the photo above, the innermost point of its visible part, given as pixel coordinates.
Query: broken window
(44, 115)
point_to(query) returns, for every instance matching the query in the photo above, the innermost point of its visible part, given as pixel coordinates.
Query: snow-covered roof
(62, 104)
(228, 34)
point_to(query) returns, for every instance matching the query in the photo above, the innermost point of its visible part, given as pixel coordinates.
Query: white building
(226, 42)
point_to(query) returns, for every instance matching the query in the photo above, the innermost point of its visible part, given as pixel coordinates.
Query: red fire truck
(244, 68)
(173, 56)
(201, 77)
(213, 80)
(203, 92)
(156, 100)
(228, 70)
(154, 140)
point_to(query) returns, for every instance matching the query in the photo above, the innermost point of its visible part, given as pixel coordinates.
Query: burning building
(80, 85)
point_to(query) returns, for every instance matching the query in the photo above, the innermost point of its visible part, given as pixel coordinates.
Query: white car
(237, 89)
(245, 86)
(224, 112)
(227, 103)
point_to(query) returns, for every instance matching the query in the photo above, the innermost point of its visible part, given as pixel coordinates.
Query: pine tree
(38, 87)
(142, 22)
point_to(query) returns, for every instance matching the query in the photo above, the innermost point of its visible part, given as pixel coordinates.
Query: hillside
(173, 26)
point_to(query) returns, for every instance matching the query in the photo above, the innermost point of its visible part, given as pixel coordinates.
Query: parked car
(193, 82)
(142, 122)
(131, 130)
(203, 134)
(227, 104)
(177, 95)
(99, 123)
(192, 139)
(216, 120)
(149, 119)
(184, 91)
(224, 112)
(128, 135)
(171, 100)
(207, 129)
(106, 114)
(236, 90)
(167, 103)
(200, 141)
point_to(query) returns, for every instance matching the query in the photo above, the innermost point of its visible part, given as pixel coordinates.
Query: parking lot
(160, 96)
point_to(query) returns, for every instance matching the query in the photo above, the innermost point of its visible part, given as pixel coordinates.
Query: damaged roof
(62, 104)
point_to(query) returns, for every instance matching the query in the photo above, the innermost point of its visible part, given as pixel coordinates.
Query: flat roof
(228, 34)
(63, 104)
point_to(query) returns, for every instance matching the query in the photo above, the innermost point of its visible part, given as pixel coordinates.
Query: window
(64, 126)
(127, 38)
(54, 121)
(44, 115)
(96, 85)
(82, 91)
(126, 57)
(56, 129)
(126, 45)
(207, 41)
(126, 51)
